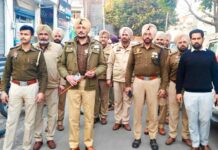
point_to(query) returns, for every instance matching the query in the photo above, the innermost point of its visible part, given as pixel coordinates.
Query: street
(107, 139)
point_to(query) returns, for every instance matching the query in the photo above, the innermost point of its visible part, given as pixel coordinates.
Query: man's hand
(162, 93)
(109, 83)
(70, 79)
(216, 100)
(4, 97)
(179, 98)
(127, 89)
(60, 88)
(90, 74)
(40, 97)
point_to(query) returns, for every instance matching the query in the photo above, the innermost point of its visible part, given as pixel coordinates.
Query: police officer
(102, 98)
(159, 40)
(52, 52)
(182, 41)
(25, 69)
(148, 62)
(57, 36)
(116, 70)
(81, 63)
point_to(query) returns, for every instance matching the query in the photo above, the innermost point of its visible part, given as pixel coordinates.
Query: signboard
(47, 14)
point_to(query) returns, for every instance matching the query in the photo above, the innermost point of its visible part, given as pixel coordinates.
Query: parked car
(213, 45)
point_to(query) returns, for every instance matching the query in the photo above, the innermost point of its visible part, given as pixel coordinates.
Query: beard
(182, 48)
(197, 46)
(43, 42)
(147, 41)
(81, 35)
(57, 41)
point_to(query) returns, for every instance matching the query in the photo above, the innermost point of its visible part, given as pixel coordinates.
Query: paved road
(106, 139)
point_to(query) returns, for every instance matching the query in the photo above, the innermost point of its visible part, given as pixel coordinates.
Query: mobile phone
(130, 94)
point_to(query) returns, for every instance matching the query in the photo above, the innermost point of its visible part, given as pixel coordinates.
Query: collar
(152, 46)
(121, 46)
(38, 46)
(77, 40)
(32, 48)
(202, 49)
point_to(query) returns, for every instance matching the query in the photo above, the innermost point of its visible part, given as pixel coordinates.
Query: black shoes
(136, 143)
(153, 144)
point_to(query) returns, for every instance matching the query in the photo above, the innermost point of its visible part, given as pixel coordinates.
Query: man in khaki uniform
(26, 70)
(52, 52)
(159, 40)
(182, 41)
(57, 36)
(81, 63)
(148, 62)
(102, 98)
(116, 71)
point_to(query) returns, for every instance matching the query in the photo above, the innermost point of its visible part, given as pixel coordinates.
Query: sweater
(197, 72)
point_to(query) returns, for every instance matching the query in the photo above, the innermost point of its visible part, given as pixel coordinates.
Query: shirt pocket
(138, 58)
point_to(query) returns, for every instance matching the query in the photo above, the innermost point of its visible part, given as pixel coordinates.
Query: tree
(205, 6)
(136, 13)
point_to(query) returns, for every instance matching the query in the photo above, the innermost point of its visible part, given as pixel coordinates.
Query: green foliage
(136, 13)
(207, 4)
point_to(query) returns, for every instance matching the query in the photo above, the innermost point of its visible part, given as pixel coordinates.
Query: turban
(44, 27)
(160, 35)
(180, 36)
(104, 32)
(127, 30)
(58, 31)
(151, 28)
(84, 22)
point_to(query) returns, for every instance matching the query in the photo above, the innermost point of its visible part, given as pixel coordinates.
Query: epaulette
(160, 46)
(35, 48)
(115, 44)
(68, 43)
(15, 48)
(135, 44)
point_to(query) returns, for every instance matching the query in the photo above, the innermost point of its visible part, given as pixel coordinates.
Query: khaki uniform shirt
(107, 50)
(24, 66)
(117, 63)
(147, 62)
(172, 65)
(68, 65)
(51, 54)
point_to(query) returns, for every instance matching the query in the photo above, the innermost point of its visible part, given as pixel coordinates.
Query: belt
(147, 78)
(24, 83)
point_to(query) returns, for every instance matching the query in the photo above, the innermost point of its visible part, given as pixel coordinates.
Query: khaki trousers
(97, 102)
(61, 107)
(76, 99)
(143, 89)
(174, 108)
(111, 96)
(121, 103)
(51, 101)
(162, 112)
(19, 96)
(102, 98)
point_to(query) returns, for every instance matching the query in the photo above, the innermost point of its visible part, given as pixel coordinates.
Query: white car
(213, 45)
